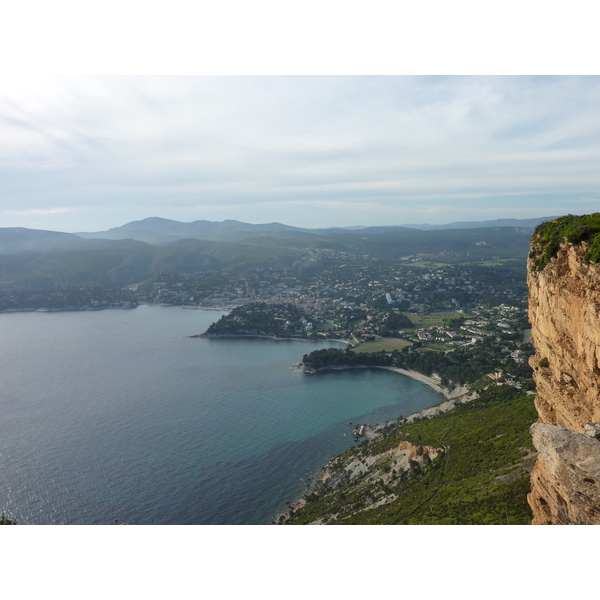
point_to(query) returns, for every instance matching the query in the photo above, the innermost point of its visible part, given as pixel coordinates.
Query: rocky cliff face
(564, 310)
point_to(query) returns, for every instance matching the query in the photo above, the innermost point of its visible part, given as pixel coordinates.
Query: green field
(325, 327)
(433, 319)
(489, 263)
(387, 344)
(437, 346)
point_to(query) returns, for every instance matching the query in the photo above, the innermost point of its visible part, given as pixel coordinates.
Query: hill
(18, 240)
(467, 466)
(155, 230)
(529, 223)
(35, 259)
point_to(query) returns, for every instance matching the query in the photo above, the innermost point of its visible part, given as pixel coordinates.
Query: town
(373, 307)
(394, 311)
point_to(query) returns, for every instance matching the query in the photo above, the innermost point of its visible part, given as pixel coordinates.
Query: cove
(119, 415)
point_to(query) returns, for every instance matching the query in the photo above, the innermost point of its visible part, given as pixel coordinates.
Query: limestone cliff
(564, 310)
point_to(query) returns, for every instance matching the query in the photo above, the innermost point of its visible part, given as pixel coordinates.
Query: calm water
(117, 415)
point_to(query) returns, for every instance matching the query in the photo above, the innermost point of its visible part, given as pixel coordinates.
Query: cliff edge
(564, 311)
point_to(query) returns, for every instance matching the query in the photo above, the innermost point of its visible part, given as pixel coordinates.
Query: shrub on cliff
(573, 229)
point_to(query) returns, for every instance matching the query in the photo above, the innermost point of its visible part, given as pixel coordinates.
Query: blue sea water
(119, 416)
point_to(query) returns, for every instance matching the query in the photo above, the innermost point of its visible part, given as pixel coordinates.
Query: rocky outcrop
(566, 478)
(564, 310)
(368, 472)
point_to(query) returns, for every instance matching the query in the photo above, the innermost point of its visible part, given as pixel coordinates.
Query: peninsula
(260, 319)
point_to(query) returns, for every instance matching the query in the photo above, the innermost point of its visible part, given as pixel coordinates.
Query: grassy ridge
(481, 478)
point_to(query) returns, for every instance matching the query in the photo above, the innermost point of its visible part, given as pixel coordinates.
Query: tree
(4, 520)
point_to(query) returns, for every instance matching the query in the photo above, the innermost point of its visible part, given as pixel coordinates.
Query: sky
(86, 153)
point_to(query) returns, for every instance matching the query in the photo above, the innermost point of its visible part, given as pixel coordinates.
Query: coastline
(458, 395)
(73, 309)
(429, 381)
(226, 309)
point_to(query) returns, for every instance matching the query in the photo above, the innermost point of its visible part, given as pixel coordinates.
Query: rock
(592, 430)
(566, 477)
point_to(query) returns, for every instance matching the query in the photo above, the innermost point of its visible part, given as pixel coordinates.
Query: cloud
(36, 212)
(127, 147)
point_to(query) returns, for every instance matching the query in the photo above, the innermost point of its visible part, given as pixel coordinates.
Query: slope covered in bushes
(480, 477)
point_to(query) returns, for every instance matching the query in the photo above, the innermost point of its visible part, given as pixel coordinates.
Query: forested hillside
(31, 259)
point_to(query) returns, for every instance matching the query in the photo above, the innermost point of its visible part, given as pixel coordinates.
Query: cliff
(564, 310)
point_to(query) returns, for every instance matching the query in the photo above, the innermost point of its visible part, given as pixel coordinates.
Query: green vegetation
(277, 320)
(4, 520)
(465, 365)
(391, 322)
(334, 357)
(544, 363)
(574, 230)
(325, 327)
(382, 345)
(37, 260)
(480, 384)
(481, 476)
(435, 319)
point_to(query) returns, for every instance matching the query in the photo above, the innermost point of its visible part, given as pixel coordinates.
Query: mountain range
(478, 224)
(37, 259)
(158, 231)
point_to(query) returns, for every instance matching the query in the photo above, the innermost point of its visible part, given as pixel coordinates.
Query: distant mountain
(158, 231)
(480, 224)
(32, 259)
(18, 240)
(41, 260)
(352, 227)
(155, 230)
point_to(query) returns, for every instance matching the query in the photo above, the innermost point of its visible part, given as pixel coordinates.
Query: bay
(119, 416)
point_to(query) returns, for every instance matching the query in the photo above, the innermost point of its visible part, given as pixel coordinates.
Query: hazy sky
(89, 153)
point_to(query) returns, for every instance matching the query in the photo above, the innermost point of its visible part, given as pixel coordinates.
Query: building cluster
(340, 298)
(418, 289)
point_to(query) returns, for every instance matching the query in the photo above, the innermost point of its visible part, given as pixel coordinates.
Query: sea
(119, 416)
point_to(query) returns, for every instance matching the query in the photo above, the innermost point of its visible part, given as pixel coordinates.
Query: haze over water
(117, 415)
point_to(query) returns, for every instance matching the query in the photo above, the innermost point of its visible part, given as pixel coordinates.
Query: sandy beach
(430, 381)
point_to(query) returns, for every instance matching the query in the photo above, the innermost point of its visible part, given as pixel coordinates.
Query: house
(518, 356)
